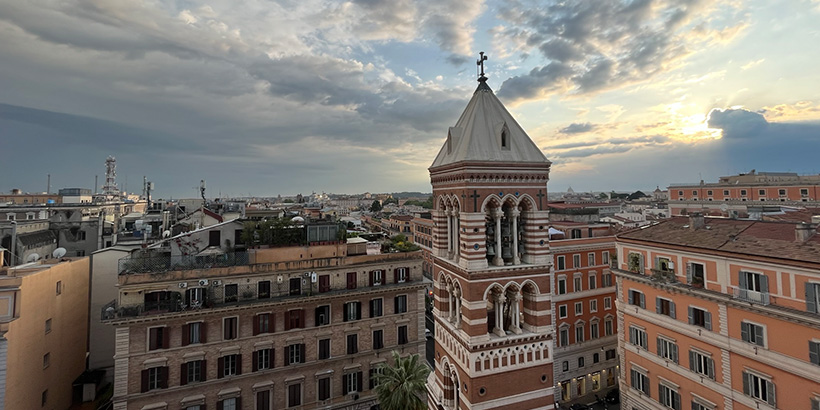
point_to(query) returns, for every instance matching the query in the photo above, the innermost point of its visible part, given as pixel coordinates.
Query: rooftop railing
(751, 296)
(157, 264)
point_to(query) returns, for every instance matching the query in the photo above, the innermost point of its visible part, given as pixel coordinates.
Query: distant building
(17, 197)
(43, 332)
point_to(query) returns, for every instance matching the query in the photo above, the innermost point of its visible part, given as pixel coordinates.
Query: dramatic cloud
(577, 128)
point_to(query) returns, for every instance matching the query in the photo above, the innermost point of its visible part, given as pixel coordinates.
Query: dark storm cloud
(577, 128)
(738, 123)
(605, 44)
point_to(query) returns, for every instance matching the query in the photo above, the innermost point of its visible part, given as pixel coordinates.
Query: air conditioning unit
(279, 279)
(203, 282)
(216, 282)
(183, 285)
(314, 277)
(306, 274)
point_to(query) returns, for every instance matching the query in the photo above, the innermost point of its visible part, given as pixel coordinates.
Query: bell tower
(491, 261)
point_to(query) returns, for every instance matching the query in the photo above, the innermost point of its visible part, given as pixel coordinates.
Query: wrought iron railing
(751, 296)
(156, 264)
(664, 276)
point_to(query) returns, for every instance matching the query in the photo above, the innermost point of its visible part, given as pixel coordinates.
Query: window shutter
(202, 332)
(815, 404)
(255, 361)
(166, 337)
(746, 383)
(220, 368)
(256, 319)
(144, 377)
(759, 335)
(371, 308)
(711, 368)
(316, 321)
(814, 353)
(764, 284)
(744, 331)
(301, 318)
(239, 402)
(183, 374)
(707, 320)
(642, 266)
(672, 310)
(358, 310)
(286, 349)
(741, 280)
(220, 405)
(396, 275)
(691, 315)
(770, 393)
(163, 377)
(359, 381)
(238, 364)
(689, 272)
(346, 315)
(659, 346)
(345, 384)
(396, 304)
(691, 360)
(632, 378)
(302, 353)
(811, 296)
(372, 277)
(643, 301)
(631, 297)
(186, 331)
(675, 353)
(657, 304)
(204, 375)
(644, 341)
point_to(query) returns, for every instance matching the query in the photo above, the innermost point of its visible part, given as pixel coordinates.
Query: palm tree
(402, 385)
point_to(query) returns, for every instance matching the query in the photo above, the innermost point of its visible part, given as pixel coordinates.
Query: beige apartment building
(719, 314)
(290, 327)
(43, 332)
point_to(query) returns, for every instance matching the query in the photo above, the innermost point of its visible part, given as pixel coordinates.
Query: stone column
(516, 314)
(499, 315)
(449, 214)
(456, 235)
(498, 260)
(457, 294)
(450, 302)
(515, 213)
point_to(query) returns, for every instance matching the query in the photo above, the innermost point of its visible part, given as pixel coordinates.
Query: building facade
(719, 314)
(491, 264)
(293, 327)
(586, 343)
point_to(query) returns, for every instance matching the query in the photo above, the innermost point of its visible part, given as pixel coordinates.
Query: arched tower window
(505, 137)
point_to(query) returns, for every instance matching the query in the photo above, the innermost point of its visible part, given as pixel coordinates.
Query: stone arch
(526, 203)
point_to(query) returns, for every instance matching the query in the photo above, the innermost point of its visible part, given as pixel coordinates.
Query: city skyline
(340, 96)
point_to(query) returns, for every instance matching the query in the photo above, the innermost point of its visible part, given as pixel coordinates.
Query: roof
(757, 238)
(477, 134)
(568, 205)
(207, 228)
(37, 238)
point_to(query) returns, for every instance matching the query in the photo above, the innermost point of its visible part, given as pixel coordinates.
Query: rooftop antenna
(48, 188)
(202, 189)
(110, 187)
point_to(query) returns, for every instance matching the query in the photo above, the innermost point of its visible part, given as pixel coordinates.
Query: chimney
(804, 231)
(696, 221)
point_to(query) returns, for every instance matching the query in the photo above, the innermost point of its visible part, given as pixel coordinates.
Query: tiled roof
(758, 238)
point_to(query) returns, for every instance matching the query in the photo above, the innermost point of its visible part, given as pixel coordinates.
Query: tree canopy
(401, 386)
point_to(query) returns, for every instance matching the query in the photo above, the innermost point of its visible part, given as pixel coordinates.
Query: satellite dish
(58, 253)
(724, 207)
(33, 257)
(166, 233)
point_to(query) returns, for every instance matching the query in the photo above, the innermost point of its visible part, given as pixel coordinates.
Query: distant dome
(298, 219)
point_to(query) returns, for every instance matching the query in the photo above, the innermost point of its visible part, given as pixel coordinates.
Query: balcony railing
(664, 276)
(156, 264)
(752, 296)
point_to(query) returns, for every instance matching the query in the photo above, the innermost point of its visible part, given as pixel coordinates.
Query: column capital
(515, 212)
(497, 213)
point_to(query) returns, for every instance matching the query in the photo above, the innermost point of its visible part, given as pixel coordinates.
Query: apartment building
(43, 332)
(423, 237)
(287, 327)
(583, 299)
(738, 192)
(719, 314)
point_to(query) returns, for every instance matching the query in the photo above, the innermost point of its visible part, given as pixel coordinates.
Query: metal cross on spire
(481, 59)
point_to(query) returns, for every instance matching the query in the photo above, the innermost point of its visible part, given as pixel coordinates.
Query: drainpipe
(13, 250)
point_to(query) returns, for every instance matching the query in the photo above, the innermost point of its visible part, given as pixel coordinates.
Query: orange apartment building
(719, 314)
(43, 332)
(491, 265)
(737, 192)
(586, 362)
(423, 237)
(290, 327)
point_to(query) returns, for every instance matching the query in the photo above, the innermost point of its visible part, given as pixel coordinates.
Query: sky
(267, 97)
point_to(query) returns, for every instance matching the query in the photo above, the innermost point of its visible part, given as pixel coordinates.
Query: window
(576, 283)
(782, 192)
(812, 297)
(294, 395)
(378, 339)
(606, 278)
(401, 275)
(46, 360)
(608, 326)
(262, 323)
(352, 343)
(758, 388)
(263, 399)
(322, 315)
(263, 359)
(742, 192)
(694, 193)
(667, 349)
(709, 192)
(637, 298)
(376, 307)
(593, 281)
(402, 335)
(663, 264)
(44, 398)
(263, 289)
(565, 366)
(581, 361)
(610, 354)
(669, 397)
(400, 304)
(640, 381)
(324, 349)
(593, 306)
(607, 303)
(154, 378)
(59, 287)
(229, 328)
(231, 293)
(761, 192)
(576, 233)
(804, 192)
(562, 311)
(637, 337)
(590, 259)
(563, 336)
(352, 382)
(814, 352)
(579, 332)
(701, 363)
(373, 375)
(635, 262)
(295, 286)
(752, 333)
(561, 263)
(579, 308)
(48, 326)
(352, 311)
(295, 319)
(157, 338)
(695, 274)
(323, 388)
(665, 307)
(192, 372)
(324, 283)
(753, 287)
(351, 280)
(596, 357)
(700, 317)
(576, 260)
(605, 258)
(294, 353)
(680, 193)
(593, 330)
(562, 285)
(376, 278)
(230, 365)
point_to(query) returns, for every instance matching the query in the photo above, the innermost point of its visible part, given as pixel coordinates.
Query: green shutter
(814, 353)
(744, 331)
(692, 360)
(770, 393)
(811, 296)
(672, 310)
(707, 320)
(746, 384)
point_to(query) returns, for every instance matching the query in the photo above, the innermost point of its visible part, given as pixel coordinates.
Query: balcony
(664, 276)
(158, 264)
(751, 296)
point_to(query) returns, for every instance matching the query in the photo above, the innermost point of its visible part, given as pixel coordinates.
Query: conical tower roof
(486, 132)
